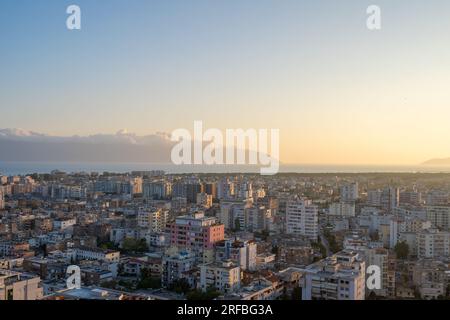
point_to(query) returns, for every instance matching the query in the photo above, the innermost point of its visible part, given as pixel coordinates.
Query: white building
(155, 220)
(432, 243)
(243, 253)
(439, 216)
(175, 266)
(223, 276)
(345, 209)
(64, 223)
(302, 218)
(349, 192)
(205, 200)
(87, 253)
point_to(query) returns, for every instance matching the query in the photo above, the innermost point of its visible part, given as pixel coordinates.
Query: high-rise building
(2, 200)
(241, 252)
(225, 189)
(439, 216)
(381, 257)
(390, 198)
(345, 209)
(205, 200)
(136, 185)
(349, 192)
(410, 198)
(432, 243)
(302, 219)
(157, 190)
(258, 218)
(374, 198)
(211, 189)
(154, 220)
(195, 232)
(437, 198)
(192, 189)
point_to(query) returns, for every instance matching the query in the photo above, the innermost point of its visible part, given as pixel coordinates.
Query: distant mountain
(437, 162)
(122, 147)
(23, 145)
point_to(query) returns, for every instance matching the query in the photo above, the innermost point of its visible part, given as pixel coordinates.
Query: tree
(237, 224)
(401, 250)
(180, 286)
(297, 293)
(133, 245)
(275, 250)
(147, 281)
(372, 296)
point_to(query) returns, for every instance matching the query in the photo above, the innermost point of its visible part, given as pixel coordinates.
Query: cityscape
(224, 158)
(154, 236)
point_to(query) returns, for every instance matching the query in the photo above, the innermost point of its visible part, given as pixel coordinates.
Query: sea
(23, 168)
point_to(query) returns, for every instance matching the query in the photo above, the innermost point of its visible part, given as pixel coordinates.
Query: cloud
(23, 145)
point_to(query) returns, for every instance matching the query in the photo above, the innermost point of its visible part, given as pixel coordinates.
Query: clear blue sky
(303, 66)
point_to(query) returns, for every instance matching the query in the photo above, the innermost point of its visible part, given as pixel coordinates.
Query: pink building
(196, 232)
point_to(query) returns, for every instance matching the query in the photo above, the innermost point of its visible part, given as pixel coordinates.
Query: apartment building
(19, 286)
(88, 253)
(439, 216)
(342, 209)
(432, 243)
(349, 192)
(205, 200)
(176, 266)
(338, 277)
(431, 277)
(381, 257)
(243, 253)
(223, 276)
(154, 220)
(302, 219)
(195, 232)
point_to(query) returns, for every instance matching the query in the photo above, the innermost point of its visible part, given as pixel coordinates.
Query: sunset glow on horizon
(338, 92)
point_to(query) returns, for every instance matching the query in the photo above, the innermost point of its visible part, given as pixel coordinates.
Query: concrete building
(88, 253)
(175, 266)
(432, 243)
(349, 192)
(223, 276)
(302, 219)
(243, 253)
(154, 220)
(19, 286)
(439, 216)
(381, 257)
(195, 232)
(205, 200)
(431, 278)
(342, 209)
(339, 277)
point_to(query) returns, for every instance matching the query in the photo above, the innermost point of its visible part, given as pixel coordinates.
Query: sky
(338, 92)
